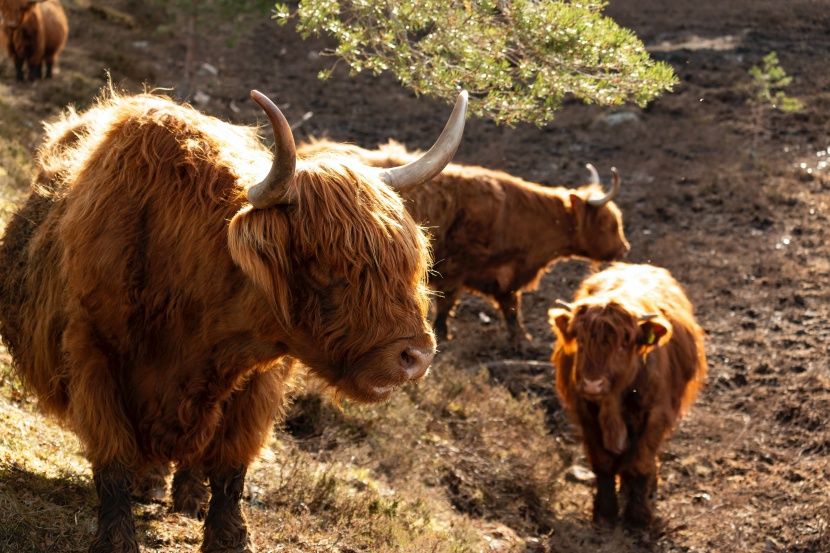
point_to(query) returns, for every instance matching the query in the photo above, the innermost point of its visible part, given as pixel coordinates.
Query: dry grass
(452, 465)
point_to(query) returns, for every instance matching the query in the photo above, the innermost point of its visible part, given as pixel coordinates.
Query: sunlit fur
(495, 234)
(32, 33)
(148, 307)
(651, 383)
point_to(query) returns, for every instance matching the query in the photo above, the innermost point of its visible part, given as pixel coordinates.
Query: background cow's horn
(273, 190)
(647, 317)
(594, 174)
(615, 188)
(566, 305)
(434, 161)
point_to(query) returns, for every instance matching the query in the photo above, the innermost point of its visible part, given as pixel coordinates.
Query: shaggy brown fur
(625, 378)
(495, 234)
(150, 309)
(33, 33)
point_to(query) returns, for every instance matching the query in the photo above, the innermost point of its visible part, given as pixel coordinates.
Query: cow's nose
(595, 387)
(415, 361)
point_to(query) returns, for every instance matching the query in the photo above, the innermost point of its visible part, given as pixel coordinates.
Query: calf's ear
(560, 320)
(654, 331)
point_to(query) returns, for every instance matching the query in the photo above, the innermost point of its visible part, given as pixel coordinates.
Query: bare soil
(744, 230)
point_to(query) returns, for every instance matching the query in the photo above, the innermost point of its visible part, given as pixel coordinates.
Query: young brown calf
(629, 361)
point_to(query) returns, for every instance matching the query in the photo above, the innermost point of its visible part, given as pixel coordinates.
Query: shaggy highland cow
(152, 291)
(496, 234)
(629, 361)
(33, 32)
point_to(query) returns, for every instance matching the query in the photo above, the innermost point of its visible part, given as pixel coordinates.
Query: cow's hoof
(247, 547)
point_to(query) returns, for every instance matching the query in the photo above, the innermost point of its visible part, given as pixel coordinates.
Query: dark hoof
(114, 543)
(247, 547)
(638, 517)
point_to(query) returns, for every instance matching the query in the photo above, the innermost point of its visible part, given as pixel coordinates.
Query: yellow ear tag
(651, 338)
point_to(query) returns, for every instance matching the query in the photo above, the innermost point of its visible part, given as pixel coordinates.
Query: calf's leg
(606, 509)
(116, 527)
(638, 491)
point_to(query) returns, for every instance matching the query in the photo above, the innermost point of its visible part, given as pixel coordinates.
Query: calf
(495, 234)
(629, 361)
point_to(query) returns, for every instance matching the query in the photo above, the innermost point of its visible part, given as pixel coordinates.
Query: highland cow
(629, 361)
(33, 32)
(153, 293)
(495, 234)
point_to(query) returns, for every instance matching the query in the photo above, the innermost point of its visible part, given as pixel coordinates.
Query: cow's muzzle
(594, 389)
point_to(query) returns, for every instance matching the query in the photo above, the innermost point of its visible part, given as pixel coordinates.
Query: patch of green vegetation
(767, 94)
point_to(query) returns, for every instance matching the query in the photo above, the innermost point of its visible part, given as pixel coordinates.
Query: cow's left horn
(434, 161)
(647, 317)
(615, 187)
(274, 189)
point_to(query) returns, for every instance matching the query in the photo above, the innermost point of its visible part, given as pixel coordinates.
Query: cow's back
(124, 197)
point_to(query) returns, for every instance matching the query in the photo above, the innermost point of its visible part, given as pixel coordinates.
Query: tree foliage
(518, 59)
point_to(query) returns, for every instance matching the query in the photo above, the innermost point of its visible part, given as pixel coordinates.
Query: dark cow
(629, 361)
(496, 234)
(33, 32)
(152, 292)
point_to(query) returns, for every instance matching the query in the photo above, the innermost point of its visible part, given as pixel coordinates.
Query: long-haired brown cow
(629, 361)
(495, 234)
(33, 32)
(150, 286)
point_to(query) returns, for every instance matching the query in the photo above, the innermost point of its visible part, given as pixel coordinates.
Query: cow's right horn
(434, 161)
(273, 189)
(615, 187)
(566, 305)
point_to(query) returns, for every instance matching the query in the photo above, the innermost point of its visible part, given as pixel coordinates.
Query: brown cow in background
(33, 32)
(629, 361)
(150, 289)
(495, 234)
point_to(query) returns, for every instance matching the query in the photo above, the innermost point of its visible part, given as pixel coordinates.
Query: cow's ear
(560, 322)
(654, 331)
(577, 206)
(257, 244)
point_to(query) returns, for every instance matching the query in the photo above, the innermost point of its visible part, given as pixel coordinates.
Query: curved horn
(434, 161)
(647, 317)
(566, 305)
(594, 174)
(273, 189)
(615, 187)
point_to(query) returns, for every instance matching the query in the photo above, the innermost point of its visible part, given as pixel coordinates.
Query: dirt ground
(744, 231)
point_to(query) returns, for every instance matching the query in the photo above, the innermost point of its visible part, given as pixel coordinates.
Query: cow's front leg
(190, 494)
(225, 527)
(444, 304)
(18, 70)
(606, 509)
(510, 304)
(116, 528)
